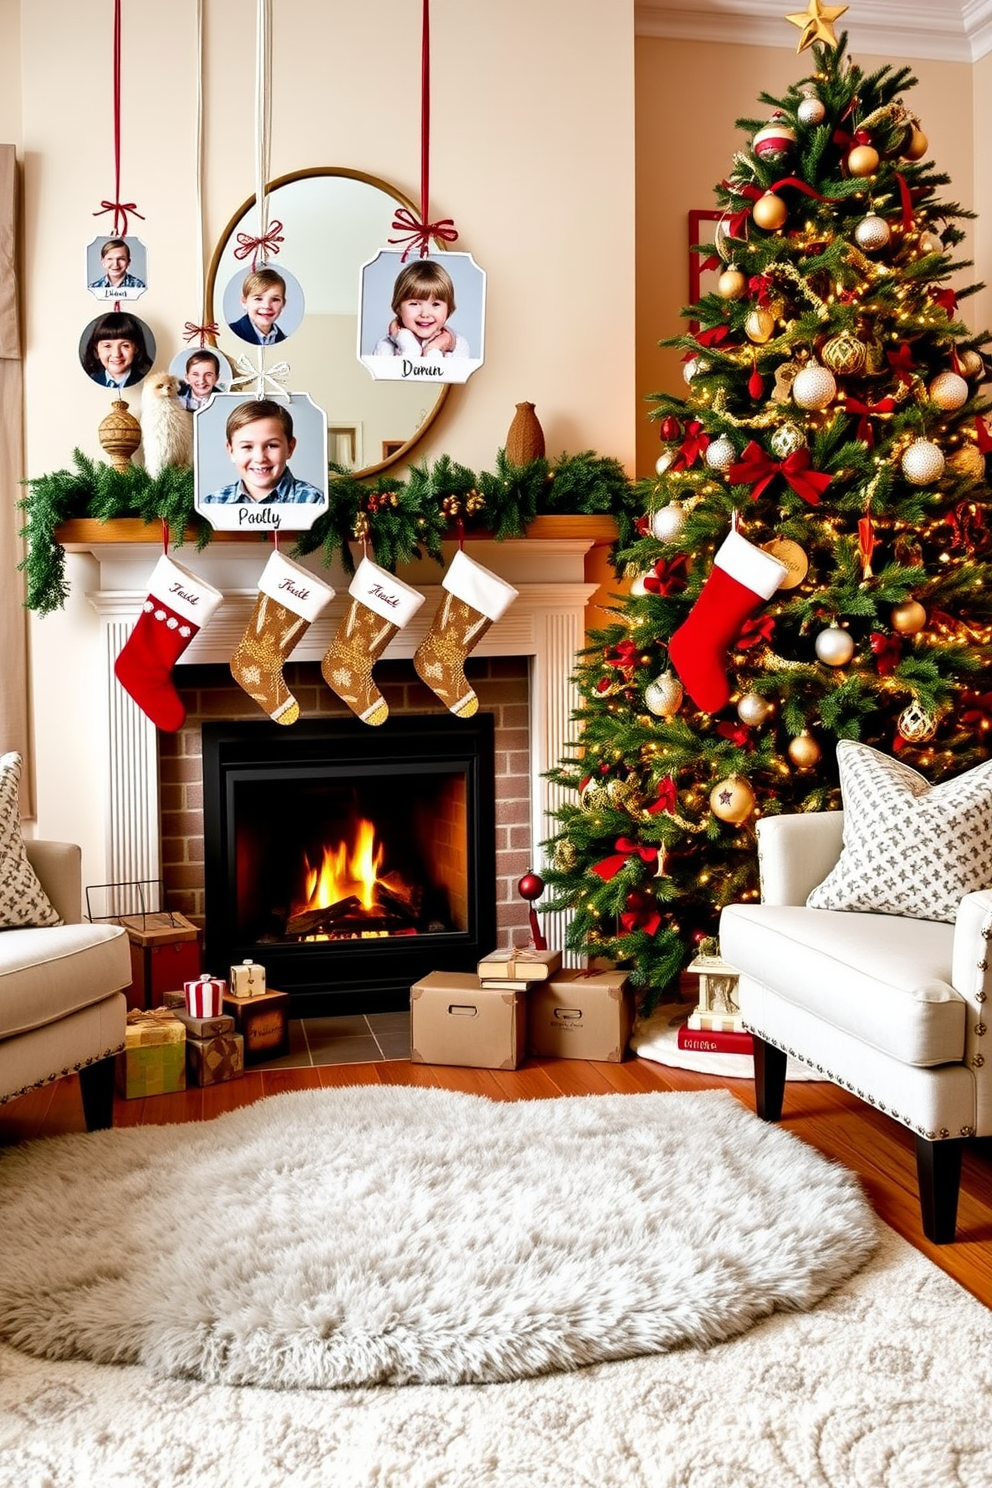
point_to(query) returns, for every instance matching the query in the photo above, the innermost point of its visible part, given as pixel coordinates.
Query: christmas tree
(812, 560)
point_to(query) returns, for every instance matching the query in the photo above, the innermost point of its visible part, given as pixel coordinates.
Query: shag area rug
(399, 1235)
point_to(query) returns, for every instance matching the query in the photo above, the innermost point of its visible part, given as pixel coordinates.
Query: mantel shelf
(84, 533)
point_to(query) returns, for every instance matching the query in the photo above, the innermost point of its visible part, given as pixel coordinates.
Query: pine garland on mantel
(401, 520)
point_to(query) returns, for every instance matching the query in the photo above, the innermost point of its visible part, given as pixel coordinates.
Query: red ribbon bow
(761, 286)
(695, 442)
(414, 231)
(982, 436)
(738, 734)
(666, 798)
(668, 575)
(902, 363)
(120, 211)
(848, 141)
(757, 469)
(266, 244)
(191, 329)
(755, 632)
(946, 299)
(887, 650)
(645, 918)
(867, 410)
(712, 336)
(623, 657)
(626, 848)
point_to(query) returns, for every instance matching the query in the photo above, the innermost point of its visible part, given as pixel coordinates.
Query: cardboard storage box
(165, 953)
(263, 1023)
(581, 1015)
(154, 1057)
(211, 1060)
(455, 1020)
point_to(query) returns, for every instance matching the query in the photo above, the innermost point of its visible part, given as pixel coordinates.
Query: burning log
(397, 894)
(322, 921)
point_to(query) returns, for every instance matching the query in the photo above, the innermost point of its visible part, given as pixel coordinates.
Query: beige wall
(688, 96)
(531, 153)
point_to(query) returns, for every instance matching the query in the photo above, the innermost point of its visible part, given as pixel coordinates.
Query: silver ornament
(949, 391)
(834, 646)
(930, 243)
(720, 453)
(753, 709)
(663, 696)
(814, 387)
(786, 439)
(693, 366)
(922, 463)
(668, 521)
(664, 461)
(915, 724)
(811, 111)
(637, 588)
(872, 233)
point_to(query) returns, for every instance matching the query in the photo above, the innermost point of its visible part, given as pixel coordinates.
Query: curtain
(14, 726)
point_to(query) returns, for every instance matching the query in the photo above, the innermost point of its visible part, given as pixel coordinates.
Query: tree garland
(399, 520)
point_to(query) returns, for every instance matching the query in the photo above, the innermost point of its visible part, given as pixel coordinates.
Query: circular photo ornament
(202, 371)
(116, 350)
(264, 305)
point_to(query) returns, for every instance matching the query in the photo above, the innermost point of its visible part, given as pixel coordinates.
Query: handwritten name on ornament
(422, 369)
(265, 516)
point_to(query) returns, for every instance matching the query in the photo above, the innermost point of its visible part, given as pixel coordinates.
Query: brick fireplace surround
(522, 670)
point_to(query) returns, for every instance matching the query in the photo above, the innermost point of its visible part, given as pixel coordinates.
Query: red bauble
(635, 900)
(530, 886)
(670, 428)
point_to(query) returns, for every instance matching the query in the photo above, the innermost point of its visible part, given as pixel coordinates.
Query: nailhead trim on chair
(72, 1069)
(966, 1131)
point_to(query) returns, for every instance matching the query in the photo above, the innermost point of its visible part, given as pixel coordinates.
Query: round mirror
(333, 221)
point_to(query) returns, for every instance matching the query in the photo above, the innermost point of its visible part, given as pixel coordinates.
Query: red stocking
(741, 578)
(178, 605)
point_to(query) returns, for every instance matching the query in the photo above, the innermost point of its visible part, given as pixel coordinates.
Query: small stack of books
(517, 969)
(714, 1040)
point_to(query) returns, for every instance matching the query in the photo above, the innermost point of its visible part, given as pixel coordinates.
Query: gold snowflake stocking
(380, 606)
(289, 600)
(474, 599)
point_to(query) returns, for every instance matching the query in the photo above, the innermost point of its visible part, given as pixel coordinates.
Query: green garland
(400, 520)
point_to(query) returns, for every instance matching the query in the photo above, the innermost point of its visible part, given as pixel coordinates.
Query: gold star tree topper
(816, 23)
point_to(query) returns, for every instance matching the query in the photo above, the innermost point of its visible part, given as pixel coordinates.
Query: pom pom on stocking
(475, 598)
(177, 608)
(289, 600)
(381, 604)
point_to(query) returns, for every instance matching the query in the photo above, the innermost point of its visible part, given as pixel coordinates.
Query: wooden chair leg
(769, 1079)
(96, 1081)
(938, 1168)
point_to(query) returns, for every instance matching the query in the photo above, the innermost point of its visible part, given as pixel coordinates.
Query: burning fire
(345, 870)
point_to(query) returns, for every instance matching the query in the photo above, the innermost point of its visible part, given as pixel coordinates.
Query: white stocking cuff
(478, 586)
(384, 594)
(294, 586)
(750, 566)
(186, 595)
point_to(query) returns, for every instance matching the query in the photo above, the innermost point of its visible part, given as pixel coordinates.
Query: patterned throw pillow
(23, 901)
(910, 848)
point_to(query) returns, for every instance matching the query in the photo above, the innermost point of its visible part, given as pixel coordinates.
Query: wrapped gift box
(248, 979)
(455, 1020)
(211, 1060)
(263, 1022)
(165, 952)
(581, 1015)
(519, 965)
(202, 1028)
(205, 996)
(154, 1057)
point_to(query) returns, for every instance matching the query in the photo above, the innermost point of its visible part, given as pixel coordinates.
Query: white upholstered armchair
(894, 1009)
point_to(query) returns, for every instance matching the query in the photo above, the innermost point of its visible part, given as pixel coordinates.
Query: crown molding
(940, 30)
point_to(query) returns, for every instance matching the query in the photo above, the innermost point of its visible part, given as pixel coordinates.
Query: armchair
(891, 1008)
(61, 1004)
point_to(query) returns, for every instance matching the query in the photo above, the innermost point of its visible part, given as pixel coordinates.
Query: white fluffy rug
(378, 1235)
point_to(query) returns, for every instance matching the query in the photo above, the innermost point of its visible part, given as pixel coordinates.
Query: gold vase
(525, 437)
(119, 434)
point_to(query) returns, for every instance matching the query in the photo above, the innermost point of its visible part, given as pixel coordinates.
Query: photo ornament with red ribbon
(422, 317)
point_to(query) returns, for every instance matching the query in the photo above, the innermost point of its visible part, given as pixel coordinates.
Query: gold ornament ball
(753, 709)
(915, 724)
(844, 354)
(970, 363)
(770, 212)
(119, 435)
(668, 521)
(814, 387)
(565, 855)
(732, 800)
(872, 233)
(731, 284)
(949, 391)
(969, 461)
(804, 751)
(908, 618)
(863, 160)
(834, 646)
(917, 146)
(663, 696)
(759, 325)
(922, 463)
(786, 439)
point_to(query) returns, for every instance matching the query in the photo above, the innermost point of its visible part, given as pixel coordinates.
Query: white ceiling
(942, 30)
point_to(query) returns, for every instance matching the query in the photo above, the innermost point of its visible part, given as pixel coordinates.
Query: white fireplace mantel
(545, 623)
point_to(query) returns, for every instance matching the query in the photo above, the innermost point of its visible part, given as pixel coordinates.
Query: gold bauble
(844, 354)
(970, 363)
(119, 435)
(565, 856)
(625, 795)
(863, 160)
(759, 325)
(918, 144)
(753, 709)
(949, 391)
(968, 461)
(770, 212)
(663, 696)
(793, 557)
(732, 800)
(731, 284)
(908, 618)
(804, 751)
(915, 724)
(593, 795)
(786, 439)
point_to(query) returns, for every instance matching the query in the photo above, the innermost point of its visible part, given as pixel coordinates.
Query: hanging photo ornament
(233, 493)
(753, 709)
(732, 800)
(814, 387)
(421, 319)
(834, 646)
(949, 391)
(915, 724)
(872, 233)
(720, 453)
(263, 305)
(663, 696)
(116, 268)
(922, 463)
(668, 522)
(117, 351)
(731, 284)
(811, 110)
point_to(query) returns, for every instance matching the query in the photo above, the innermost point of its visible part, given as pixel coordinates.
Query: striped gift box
(205, 996)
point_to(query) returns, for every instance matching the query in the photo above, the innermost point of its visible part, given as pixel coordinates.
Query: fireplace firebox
(349, 861)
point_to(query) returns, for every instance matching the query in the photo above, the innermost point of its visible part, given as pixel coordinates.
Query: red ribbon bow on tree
(668, 575)
(887, 650)
(266, 244)
(695, 443)
(848, 141)
(414, 231)
(626, 848)
(666, 798)
(738, 734)
(761, 287)
(902, 363)
(645, 917)
(946, 299)
(755, 632)
(867, 409)
(623, 657)
(711, 336)
(757, 469)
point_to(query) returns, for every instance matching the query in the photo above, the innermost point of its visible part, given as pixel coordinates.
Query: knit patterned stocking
(380, 606)
(475, 598)
(289, 600)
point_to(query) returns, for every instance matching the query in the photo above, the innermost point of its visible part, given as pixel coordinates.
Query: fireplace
(350, 861)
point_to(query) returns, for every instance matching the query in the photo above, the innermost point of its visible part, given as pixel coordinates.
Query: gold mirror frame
(212, 310)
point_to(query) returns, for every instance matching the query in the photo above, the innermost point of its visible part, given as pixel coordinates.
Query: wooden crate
(165, 953)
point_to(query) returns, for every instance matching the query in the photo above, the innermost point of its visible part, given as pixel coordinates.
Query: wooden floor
(839, 1125)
